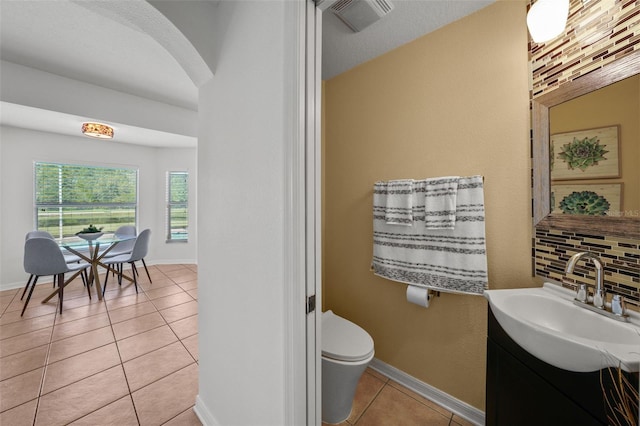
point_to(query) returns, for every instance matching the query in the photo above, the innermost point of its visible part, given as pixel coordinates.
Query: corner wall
(454, 102)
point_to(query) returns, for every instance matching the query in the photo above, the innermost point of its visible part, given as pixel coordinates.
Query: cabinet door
(521, 397)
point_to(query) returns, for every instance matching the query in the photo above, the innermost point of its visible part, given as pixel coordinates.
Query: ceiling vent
(359, 14)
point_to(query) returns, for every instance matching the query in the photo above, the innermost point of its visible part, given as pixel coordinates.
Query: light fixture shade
(547, 19)
(97, 130)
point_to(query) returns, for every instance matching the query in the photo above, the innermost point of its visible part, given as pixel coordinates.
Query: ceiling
(68, 38)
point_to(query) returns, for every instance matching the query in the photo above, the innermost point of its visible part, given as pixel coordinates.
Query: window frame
(37, 206)
(172, 204)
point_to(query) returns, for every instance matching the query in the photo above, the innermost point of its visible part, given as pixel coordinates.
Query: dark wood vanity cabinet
(523, 390)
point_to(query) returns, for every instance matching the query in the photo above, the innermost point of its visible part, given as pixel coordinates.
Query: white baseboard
(203, 413)
(443, 399)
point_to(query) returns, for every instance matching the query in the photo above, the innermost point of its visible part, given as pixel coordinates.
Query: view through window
(70, 197)
(177, 212)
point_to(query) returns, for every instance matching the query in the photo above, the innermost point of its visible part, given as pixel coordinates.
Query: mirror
(623, 222)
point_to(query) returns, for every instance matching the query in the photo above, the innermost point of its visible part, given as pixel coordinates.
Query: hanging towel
(440, 202)
(448, 260)
(399, 205)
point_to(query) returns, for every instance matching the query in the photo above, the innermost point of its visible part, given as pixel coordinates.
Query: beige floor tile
(22, 415)
(131, 311)
(178, 312)
(186, 418)
(26, 325)
(185, 327)
(193, 293)
(158, 282)
(377, 375)
(81, 398)
(146, 342)
(79, 326)
(34, 309)
(137, 325)
(40, 292)
(163, 291)
(155, 365)
(191, 343)
(78, 367)
(20, 389)
(123, 301)
(120, 412)
(181, 275)
(173, 300)
(189, 285)
(420, 398)
(368, 388)
(77, 344)
(82, 300)
(22, 362)
(459, 421)
(80, 312)
(23, 342)
(126, 289)
(163, 400)
(5, 300)
(11, 291)
(392, 407)
(168, 268)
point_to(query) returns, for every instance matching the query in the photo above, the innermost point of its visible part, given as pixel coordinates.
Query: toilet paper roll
(418, 295)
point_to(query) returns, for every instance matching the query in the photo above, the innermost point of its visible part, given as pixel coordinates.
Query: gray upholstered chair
(124, 247)
(139, 251)
(42, 257)
(68, 257)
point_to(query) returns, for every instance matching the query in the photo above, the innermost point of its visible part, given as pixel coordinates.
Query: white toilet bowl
(346, 351)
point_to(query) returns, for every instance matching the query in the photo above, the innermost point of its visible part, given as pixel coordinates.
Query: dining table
(92, 251)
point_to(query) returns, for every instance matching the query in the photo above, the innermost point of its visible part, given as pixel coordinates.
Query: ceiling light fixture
(547, 19)
(97, 130)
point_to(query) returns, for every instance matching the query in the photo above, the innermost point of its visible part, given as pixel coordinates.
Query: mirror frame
(628, 227)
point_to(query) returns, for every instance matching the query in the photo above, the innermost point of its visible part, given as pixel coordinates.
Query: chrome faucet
(598, 294)
(618, 310)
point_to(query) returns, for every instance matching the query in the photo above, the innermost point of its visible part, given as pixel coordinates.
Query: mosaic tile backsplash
(621, 259)
(598, 32)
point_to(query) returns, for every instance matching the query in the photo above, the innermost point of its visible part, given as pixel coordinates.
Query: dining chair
(139, 251)
(42, 256)
(124, 247)
(69, 258)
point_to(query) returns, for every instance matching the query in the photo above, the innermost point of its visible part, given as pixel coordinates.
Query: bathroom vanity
(523, 390)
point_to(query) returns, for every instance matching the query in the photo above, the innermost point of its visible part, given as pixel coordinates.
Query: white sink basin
(546, 323)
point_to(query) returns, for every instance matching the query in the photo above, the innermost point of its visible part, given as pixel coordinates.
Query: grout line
(58, 317)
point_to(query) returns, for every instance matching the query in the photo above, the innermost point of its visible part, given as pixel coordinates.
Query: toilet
(346, 351)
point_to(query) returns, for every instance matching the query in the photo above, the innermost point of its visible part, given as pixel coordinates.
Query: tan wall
(454, 102)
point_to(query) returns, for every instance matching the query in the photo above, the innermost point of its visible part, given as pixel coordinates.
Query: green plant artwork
(585, 203)
(582, 153)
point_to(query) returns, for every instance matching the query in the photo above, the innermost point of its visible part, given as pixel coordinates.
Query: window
(177, 211)
(70, 197)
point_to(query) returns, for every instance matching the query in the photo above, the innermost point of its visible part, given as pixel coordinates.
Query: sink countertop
(546, 323)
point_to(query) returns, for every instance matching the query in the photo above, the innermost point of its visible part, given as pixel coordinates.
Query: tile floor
(133, 360)
(380, 401)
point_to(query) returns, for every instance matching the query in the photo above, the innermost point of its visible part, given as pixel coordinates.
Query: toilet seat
(343, 340)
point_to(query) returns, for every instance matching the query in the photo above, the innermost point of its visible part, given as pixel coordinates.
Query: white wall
(20, 148)
(241, 202)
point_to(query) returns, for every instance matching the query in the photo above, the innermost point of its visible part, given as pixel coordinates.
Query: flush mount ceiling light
(97, 130)
(547, 19)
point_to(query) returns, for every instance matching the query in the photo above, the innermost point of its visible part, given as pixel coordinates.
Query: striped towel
(440, 202)
(448, 260)
(399, 207)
